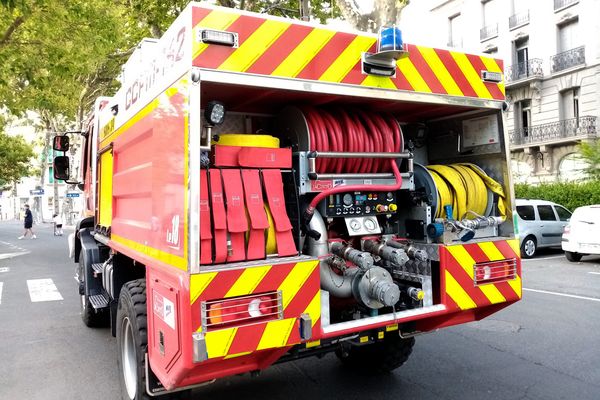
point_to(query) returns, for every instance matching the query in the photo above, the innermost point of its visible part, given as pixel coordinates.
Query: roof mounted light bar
(223, 38)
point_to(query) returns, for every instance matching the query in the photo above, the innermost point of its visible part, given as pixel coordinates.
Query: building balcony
(488, 32)
(567, 130)
(567, 59)
(524, 72)
(518, 20)
(560, 4)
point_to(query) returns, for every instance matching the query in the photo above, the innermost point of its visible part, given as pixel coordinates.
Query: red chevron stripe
(506, 250)
(401, 82)
(500, 63)
(480, 66)
(466, 281)
(426, 72)
(247, 338)
(198, 14)
(279, 50)
(304, 295)
(456, 73)
(215, 55)
(507, 291)
(328, 54)
(273, 279)
(451, 304)
(220, 285)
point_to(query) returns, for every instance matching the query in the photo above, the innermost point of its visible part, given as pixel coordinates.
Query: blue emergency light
(390, 38)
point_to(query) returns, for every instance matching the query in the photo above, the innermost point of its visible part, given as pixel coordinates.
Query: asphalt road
(544, 347)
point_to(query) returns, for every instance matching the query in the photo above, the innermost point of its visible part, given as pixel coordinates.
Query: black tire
(380, 357)
(132, 340)
(529, 247)
(90, 317)
(573, 257)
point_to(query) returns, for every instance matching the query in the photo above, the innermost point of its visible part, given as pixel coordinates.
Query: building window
(569, 104)
(567, 35)
(523, 117)
(454, 34)
(521, 57)
(490, 13)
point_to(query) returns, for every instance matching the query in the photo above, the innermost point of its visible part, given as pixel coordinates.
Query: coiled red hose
(357, 131)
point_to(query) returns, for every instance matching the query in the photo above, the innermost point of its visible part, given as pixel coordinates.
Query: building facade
(551, 53)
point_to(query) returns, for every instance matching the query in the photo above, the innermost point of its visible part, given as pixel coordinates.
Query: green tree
(590, 152)
(15, 156)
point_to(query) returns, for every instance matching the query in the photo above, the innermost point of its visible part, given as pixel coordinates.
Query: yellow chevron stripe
(219, 342)
(276, 334)
(295, 280)
(245, 353)
(413, 77)
(248, 281)
(347, 59)
(458, 294)
(314, 308)
(198, 283)
(438, 68)
(515, 284)
(492, 293)
(463, 257)
(378, 81)
(491, 251)
(218, 20)
(514, 244)
(310, 46)
(474, 77)
(253, 47)
(492, 66)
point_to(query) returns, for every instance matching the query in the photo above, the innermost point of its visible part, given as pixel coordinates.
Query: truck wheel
(529, 247)
(90, 317)
(132, 339)
(573, 257)
(379, 357)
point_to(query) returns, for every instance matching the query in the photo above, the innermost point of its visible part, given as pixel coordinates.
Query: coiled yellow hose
(465, 187)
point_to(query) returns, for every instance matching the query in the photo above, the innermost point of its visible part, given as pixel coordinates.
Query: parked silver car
(541, 224)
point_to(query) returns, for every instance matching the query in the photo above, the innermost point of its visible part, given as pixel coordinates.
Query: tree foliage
(590, 152)
(568, 194)
(15, 155)
(383, 13)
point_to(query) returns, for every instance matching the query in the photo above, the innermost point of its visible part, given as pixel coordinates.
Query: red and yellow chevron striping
(299, 285)
(459, 260)
(277, 47)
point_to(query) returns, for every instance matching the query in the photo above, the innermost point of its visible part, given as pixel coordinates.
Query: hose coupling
(361, 259)
(411, 251)
(396, 256)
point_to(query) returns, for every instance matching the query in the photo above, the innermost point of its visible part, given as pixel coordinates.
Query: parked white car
(540, 224)
(581, 236)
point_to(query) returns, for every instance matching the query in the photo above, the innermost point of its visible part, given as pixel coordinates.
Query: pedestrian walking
(57, 225)
(28, 224)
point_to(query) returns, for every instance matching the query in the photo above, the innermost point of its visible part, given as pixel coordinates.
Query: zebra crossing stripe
(43, 290)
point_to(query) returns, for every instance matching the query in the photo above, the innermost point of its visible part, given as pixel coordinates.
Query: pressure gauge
(355, 225)
(370, 225)
(348, 199)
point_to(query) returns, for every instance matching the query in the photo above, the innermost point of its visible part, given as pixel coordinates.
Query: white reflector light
(489, 76)
(218, 37)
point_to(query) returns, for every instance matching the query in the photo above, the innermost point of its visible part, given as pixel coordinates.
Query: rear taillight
(494, 271)
(567, 230)
(243, 310)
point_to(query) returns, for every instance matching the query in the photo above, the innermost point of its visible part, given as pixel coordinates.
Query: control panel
(359, 204)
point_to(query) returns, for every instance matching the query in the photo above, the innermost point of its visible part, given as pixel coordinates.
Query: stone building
(551, 53)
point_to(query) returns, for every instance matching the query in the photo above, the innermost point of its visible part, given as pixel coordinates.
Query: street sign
(36, 192)
(72, 194)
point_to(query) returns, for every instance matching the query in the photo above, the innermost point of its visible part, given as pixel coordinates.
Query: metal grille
(531, 68)
(567, 128)
(234, 311)
(494, 271)
(518, 19)
(558, 4)
(568, 59)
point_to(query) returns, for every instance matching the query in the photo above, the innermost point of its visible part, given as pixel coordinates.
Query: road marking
(562, 294)
(11, 255)
(4, 269)
(1, 284)
(593, 273)
(43, 290)
(543, 258)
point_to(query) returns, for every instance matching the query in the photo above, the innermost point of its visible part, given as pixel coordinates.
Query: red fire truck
(262, 189)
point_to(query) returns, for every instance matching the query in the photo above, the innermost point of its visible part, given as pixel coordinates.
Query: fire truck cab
(263, 189)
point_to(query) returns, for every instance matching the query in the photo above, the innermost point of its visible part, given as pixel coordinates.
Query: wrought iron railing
(488, 32)
(518, 19)
(568, 59)
(558, 4)
(564, 129)
(523, 70)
